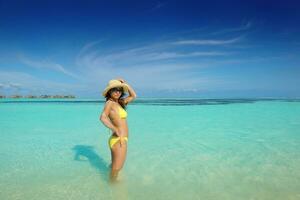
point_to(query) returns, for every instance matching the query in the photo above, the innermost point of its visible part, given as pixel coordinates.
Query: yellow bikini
(114, 139)
(122, 113)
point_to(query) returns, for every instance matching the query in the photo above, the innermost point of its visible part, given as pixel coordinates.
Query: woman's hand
(120, 134)
(121, 80)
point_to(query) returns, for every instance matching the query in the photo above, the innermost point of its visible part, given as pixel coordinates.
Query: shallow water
(178, 149)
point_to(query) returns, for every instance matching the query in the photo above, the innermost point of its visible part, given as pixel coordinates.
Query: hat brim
(123, 85)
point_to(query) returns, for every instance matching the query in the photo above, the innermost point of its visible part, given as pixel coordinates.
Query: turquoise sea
(207, 149)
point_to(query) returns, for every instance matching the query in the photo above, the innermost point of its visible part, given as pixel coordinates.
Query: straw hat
(113, 84)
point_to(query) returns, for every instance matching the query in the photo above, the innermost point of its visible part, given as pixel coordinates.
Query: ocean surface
(190, 149)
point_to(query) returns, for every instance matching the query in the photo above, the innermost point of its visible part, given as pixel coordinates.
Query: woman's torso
(117, 121)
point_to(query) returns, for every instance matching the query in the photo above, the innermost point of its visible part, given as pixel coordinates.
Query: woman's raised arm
(132, 94)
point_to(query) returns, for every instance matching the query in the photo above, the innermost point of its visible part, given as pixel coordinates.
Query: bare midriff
(119, 123)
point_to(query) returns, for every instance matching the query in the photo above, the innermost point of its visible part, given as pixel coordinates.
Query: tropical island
(45, 96)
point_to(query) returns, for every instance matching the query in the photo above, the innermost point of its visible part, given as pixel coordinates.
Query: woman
(114, 117)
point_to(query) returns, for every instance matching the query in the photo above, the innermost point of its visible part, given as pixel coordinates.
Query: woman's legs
(118, 156)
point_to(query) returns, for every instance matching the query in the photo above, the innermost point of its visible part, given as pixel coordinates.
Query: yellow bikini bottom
(114, 139)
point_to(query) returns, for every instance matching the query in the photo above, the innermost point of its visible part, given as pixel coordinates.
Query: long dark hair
(107, 97)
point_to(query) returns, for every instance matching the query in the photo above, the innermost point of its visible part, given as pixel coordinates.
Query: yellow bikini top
(122, 112)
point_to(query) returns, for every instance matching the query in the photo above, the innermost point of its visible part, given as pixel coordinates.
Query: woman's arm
(132, 94)
(104, 117)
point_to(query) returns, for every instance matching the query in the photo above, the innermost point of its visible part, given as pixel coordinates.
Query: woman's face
(116, 92)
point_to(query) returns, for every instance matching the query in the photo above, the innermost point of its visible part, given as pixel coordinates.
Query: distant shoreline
(156, 102)
(38, 97)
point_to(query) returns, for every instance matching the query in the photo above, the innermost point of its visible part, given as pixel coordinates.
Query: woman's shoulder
(109, 103)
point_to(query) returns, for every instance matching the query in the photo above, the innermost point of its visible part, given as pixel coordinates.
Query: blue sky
(162, 48)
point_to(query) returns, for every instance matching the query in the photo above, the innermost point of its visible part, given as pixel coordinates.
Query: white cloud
(157, 6)
(96, 57)
(158, 66)
(89, 46)
(25, 81)
(207, 42)
(243, 27)
(44, 64)
(145, 68)
(14, 85)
